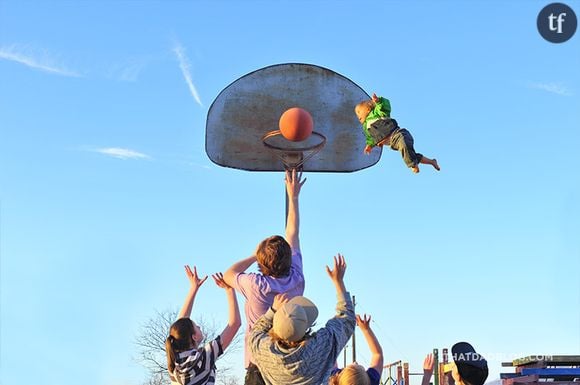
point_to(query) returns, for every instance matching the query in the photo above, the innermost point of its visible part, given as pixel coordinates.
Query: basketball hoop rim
(273, 133)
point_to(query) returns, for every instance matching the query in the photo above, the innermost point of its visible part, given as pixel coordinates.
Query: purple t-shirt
(260, 290)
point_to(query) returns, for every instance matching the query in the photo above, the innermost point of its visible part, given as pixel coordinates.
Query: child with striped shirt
(188, 363)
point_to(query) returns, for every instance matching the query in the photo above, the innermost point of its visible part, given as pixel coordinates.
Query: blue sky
(106, 190)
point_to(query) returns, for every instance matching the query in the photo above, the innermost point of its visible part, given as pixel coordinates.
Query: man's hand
(279, 301)
(294, 183)
(367, 149)
(337, 274)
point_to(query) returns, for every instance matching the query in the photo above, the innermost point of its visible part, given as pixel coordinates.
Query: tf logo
(557, 22)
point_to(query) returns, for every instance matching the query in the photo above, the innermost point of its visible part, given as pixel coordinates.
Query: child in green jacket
(380, 129)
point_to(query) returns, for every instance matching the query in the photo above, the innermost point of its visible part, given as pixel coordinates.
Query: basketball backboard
(251, 106)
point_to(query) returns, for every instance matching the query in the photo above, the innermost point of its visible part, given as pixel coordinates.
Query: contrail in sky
(45, 63)
(122, 153)
(185, 69)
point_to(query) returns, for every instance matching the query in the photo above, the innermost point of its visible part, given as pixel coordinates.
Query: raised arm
(234, 320)
(337, 275)
(337, 330)
(427, 369)
(364, 323)
(294, 183)
(195, 283)
(236, 268)
(381, 108)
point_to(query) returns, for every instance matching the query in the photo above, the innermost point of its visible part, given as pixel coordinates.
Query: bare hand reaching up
(194, 279)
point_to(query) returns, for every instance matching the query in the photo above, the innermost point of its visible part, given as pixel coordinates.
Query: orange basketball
(296, 124)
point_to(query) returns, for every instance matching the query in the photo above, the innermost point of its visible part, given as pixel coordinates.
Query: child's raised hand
(219, 280)
(375, 98)
(337, 274)
(279, 301)
(194, 280)
(294, 182)
(363, 322)
(428, 363)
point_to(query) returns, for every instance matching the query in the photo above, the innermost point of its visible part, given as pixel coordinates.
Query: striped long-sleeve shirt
(197, 366)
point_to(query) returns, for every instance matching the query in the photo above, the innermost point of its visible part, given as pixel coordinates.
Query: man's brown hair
(274, 256)
(288, 344)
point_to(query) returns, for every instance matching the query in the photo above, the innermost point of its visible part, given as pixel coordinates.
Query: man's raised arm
(294, 183)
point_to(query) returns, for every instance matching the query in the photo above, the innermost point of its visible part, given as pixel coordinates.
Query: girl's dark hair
(180, 338)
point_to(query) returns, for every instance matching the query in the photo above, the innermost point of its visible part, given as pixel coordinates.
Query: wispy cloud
(128, 70)
(37, 60)
(555, 88)
(131, 72)
(122, 153)
(185, 69)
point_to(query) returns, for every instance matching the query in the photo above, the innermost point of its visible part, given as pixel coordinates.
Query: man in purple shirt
(280, 265)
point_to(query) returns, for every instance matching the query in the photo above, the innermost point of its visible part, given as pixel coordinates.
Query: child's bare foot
(415, 169)
(436, 165)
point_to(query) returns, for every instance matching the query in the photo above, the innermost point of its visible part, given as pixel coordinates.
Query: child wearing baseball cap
(283, 346)
(470, 367)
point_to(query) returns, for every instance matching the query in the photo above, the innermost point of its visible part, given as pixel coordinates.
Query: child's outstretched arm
(234, 320)
(195, 283)
(427, 369)
(237, 268)
(339, 328)
(294, 183)
(337, 275)
(364, 323)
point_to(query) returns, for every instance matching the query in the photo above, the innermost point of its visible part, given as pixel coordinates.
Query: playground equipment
(397, 373)
(532, 370)
(441, 369)
(293, 154)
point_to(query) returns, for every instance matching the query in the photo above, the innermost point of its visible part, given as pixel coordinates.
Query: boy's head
(274, 256)
(363, 109)
(470, 366)
(293, 320)
(351, 374)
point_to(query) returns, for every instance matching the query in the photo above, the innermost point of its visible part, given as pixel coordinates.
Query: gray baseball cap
(294, 318)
